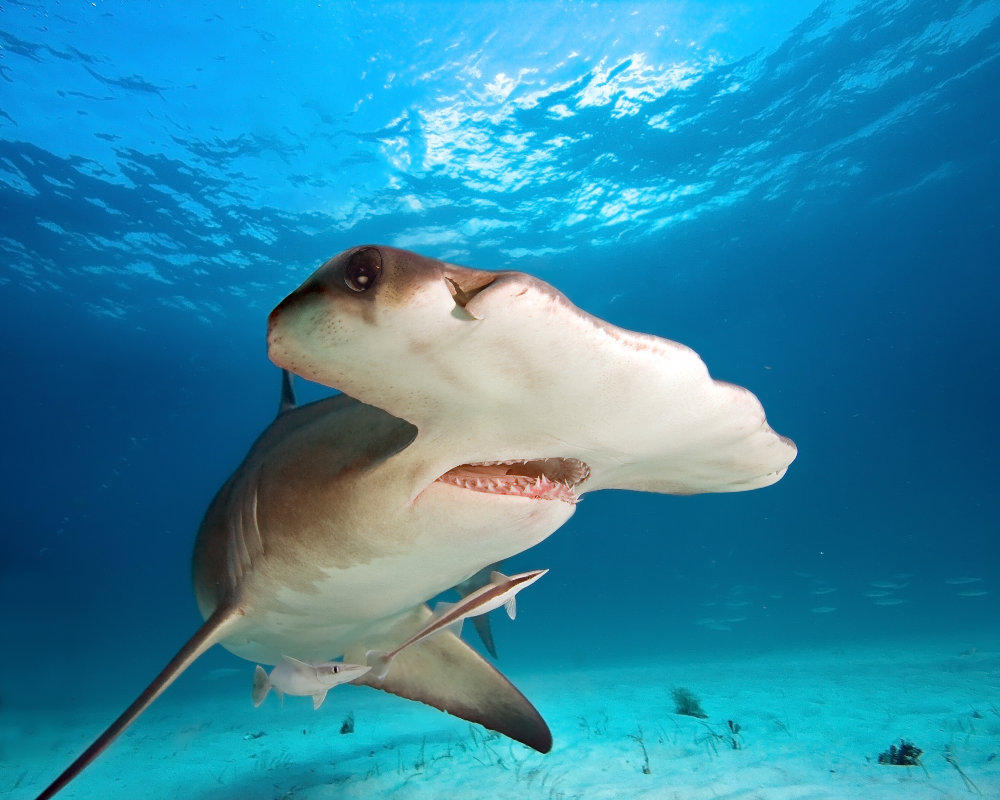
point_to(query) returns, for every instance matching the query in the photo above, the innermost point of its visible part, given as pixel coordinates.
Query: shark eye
(362, 270)
(336, 670)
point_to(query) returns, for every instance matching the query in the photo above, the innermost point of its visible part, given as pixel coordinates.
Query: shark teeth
(536, 479)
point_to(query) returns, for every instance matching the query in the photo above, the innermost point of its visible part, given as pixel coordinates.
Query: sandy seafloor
(812, 723)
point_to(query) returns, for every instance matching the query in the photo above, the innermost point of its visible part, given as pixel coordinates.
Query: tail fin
(379, 661)
(214, 629)
(261, 686)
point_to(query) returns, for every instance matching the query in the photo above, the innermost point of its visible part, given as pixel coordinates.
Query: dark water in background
(808, 200)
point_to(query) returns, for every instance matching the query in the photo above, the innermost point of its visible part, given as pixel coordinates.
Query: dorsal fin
(287, 393)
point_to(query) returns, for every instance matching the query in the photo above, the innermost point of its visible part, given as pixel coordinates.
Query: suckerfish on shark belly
(304, 679)
(500, 591)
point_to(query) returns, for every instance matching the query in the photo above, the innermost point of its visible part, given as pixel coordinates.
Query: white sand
(812, 724)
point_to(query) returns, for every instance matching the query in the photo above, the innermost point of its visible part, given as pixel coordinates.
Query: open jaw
(537, 479)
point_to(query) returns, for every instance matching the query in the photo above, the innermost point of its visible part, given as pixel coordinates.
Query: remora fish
(302, 678)
(500, 591)
(482, 622)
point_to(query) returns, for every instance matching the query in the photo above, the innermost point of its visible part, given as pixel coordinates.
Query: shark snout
(286, 318)
(307, 290)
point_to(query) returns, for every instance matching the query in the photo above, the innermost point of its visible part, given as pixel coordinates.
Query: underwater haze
(806, 195)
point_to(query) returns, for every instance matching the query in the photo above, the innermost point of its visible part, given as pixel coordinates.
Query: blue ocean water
(805, 196)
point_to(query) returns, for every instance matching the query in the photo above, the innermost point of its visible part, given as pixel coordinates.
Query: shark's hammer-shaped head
(498, 367)
(410, 335)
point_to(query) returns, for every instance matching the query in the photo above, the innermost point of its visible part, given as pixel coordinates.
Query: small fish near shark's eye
(362, 270)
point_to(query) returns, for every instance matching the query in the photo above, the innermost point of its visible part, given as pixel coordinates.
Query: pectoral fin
(446, 673)
(214, 629)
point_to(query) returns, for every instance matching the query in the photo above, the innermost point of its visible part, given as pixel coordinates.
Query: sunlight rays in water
(470, 145)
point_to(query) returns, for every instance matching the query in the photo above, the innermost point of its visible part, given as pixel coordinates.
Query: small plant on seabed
(347, 726)
(783, 725)
(734, 734)
(686, 702)
(906, 755)
(711, 738)
(421, 762)
(481, 743)
(970, 785)
(599, 728)
(641, 741)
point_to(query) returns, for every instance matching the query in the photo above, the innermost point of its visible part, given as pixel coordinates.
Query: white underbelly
(450, 534)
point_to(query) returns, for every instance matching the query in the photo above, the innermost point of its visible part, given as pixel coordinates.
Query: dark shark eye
(362, 270)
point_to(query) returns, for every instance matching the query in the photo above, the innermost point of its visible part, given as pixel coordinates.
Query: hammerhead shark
(477, 407)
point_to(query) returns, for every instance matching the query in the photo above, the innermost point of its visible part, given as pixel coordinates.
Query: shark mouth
(537, 479)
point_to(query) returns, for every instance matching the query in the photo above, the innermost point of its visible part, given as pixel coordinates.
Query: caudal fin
(214, 629)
